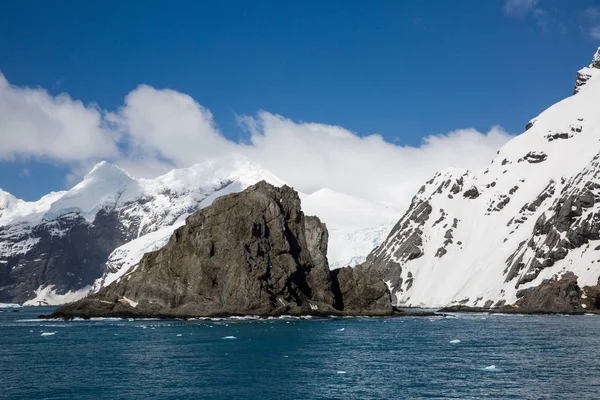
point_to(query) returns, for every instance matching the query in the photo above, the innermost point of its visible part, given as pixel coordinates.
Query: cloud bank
(157, 130)
(34, 124)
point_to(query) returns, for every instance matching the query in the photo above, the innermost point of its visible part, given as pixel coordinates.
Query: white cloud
(156, 130)
(35, 124)
(312, 156)
(167, 125)
(519, 7)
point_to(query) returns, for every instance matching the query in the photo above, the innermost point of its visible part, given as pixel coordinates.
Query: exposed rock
(535, 157)
(472, 193)
(585, 74)
(362, 290)
(529, 124)
(552, 296)
(69, 260)
(252, 252)
(555, 136)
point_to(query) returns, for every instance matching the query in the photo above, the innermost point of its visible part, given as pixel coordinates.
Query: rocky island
(249, 253)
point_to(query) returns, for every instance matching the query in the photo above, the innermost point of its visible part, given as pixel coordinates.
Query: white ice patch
(132, 303)
(9, 305)
(491, 368)
(47, 296)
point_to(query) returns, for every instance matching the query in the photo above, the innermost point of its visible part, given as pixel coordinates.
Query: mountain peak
(105, 185)
(584, 74)
(596, 61)
(104, 169)
(6, 199)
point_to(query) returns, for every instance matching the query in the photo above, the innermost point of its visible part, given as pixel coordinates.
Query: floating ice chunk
(48, 333)
(491, 368)
(455, 341)
(229, 337)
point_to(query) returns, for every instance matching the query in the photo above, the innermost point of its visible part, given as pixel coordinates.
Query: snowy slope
(355, 225)
(477, 237)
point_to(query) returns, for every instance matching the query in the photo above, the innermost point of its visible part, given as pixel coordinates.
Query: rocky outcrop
(585, 74)
(252, 252)
(361, 290)
(552, 296)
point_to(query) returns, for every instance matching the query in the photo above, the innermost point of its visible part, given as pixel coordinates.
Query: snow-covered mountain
(478, 237)
(56, 249)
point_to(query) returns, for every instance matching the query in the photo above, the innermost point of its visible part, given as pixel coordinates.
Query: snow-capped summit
(105, 186)
(478, 237)
(6, 200)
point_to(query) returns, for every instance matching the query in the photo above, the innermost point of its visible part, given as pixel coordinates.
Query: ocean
(463, 356)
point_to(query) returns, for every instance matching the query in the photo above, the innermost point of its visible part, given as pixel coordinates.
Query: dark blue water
(535, 357)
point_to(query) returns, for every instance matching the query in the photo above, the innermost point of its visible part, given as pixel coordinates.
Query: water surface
(466, 356)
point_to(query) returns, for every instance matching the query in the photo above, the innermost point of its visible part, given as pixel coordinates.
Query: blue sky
(402, 69)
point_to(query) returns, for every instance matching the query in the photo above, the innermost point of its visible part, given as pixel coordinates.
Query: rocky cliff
(253, 252)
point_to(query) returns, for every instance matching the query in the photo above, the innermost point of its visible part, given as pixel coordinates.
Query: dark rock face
(559, 296)
(472, 193)
(529, 124)
(70, 260)
(361, 290)
(584, 75)
(572, 224)
(252, 252)
(580, 80)
(534, 157)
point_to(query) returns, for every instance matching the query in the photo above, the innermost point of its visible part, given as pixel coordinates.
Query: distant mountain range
(56, 249)
(472, 238)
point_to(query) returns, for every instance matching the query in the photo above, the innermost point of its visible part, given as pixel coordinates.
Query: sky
(341, 94)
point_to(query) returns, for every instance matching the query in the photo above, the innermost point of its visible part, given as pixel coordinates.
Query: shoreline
(145, 315)
(396, 313)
